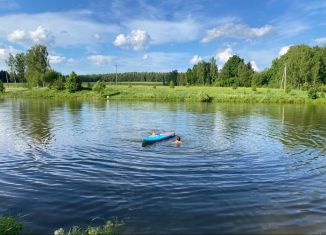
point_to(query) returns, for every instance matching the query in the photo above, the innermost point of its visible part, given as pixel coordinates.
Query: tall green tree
(73, 82)
(213, 70)
(20, 67)
(37, 63)
(11, 65)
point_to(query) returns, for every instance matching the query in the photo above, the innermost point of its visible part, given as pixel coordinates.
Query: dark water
(241, 168)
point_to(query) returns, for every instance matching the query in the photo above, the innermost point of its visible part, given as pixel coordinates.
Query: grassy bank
(176, 94)
(10, 225)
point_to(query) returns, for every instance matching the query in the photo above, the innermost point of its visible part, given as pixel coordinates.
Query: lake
(242, 168)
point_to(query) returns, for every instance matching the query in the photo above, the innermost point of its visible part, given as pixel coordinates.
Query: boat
(155, 138)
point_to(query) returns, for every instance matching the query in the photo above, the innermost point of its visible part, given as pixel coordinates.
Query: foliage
(2, 87)
(73, 82)
(253, 87)
(11, 65)
(288, 89)
(203, 97)
(36, 61)
(58, 84)
(110, 228)
(20, 67)
(51, 76)
(171, 84)
(312, 93)
(10, 226)
(99, 87)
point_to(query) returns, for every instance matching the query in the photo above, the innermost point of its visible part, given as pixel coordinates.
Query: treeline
(33, 67)
(305, 66)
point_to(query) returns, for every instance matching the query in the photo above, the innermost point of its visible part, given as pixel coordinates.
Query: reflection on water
(241, 168)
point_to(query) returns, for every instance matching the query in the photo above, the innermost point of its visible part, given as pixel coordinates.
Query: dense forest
(306, 66)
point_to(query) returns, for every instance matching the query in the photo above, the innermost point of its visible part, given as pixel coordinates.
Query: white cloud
(254, 65)
(146, 57)
(39, 35)
(100, 59)
(71, 28)
(283, 50)
(236, 31)
(97, 36)
(320, 41)
(17, 35)
(195, 59)
(71, 60)
(137, 40)
(56, 59)
(168, 31)
(224, 55)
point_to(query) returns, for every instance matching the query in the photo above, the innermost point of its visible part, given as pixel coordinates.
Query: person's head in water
(178, 140)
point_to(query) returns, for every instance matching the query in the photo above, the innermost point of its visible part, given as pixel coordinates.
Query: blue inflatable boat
(158, 137)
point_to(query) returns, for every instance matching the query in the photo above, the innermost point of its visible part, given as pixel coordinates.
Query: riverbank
(168, 94)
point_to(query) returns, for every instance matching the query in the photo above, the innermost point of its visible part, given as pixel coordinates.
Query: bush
(322, 95)
(73, 82)
(322, 88)
(2, 87)
(171, 84)
(305, 86)
(288, 89)
(99, 87)
(110, 228)
(58, 84)
(234, 86)
(312, 93)
(253, 87)
(9, 226)
(203, 97)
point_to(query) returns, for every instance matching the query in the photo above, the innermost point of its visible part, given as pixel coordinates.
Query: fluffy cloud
(4, 52)
(56, 59)
(224, 55)
(320, 41)
(254, 65)
(236, 31)
(71, 28)
(100, 59)
(284, 50)
(146, 57)
(137, 40)
(168, 31)
(195, 59)
(39, 35)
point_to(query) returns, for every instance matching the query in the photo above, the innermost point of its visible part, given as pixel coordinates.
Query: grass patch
(177, 94)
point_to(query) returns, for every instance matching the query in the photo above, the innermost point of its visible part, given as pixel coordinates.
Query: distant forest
(306, 66)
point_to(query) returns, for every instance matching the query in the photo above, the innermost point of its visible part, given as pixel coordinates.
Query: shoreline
(176, 94)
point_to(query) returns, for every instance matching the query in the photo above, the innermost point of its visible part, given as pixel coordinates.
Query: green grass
(10, 225)
(176, 94)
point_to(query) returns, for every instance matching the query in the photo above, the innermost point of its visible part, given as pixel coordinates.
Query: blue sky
(148, 35)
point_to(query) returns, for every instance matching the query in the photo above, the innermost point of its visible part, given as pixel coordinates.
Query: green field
(176, 94)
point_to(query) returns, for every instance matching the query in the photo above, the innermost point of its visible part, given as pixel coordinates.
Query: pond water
(241, 168)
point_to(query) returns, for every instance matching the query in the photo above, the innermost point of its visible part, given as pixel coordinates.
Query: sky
(91, 36)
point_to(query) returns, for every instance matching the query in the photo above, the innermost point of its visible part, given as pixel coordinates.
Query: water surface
(241, 168)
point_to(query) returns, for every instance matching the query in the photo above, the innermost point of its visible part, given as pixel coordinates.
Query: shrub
(305, 86)
(203, 97)
(234, 86)
(171, 84)
(73, 82)
(58, 84)
(322, 88)
(253, 87)
(2, 87)
(288, 89)
(322, 95)
(312, 93)
(9, 226)
(110, 228)
(99, 87)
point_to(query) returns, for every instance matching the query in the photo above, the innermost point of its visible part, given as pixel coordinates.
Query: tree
(37, 63)
(2, 87)
(230, 68)
(213, 70)
(245, 73)
(50, 76)
(99, 87)
(11, 65)
(20, 66)
(172, 76)
(73, 82)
